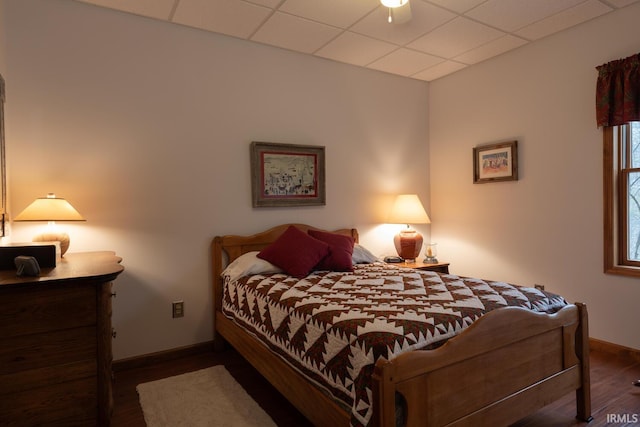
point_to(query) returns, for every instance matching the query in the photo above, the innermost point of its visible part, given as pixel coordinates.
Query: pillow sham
(249, 264)
(362, 255)
(340, 251)
(295, 252)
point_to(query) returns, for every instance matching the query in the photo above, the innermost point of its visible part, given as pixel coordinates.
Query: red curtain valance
(618, 92)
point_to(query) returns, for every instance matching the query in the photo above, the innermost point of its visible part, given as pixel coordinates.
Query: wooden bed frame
(507, 365)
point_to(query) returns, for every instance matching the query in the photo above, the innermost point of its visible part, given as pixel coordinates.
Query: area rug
(208, 397)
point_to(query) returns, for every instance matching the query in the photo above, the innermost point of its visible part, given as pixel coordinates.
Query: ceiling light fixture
(392, 4)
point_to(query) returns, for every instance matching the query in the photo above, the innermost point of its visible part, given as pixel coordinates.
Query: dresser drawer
(54, 348)
(46, 376)
(72, 403)
(43, 308)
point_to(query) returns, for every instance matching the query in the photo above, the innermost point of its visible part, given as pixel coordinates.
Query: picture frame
(287, 175)
(495, 162)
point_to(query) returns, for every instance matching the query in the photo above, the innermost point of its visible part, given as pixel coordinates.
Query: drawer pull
(113, 294)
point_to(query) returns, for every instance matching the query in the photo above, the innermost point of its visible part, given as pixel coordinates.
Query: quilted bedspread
(333, 326)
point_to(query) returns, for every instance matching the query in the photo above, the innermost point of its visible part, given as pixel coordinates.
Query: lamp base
(61, 237)
(408, 244)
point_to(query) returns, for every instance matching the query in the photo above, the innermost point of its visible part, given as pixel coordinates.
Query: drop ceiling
(429, 39)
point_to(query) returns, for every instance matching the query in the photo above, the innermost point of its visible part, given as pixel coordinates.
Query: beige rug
(209, 397)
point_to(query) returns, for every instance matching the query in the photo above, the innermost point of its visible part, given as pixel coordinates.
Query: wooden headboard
(232, 246)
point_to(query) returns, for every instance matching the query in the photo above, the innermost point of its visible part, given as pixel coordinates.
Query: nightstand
(440, 267)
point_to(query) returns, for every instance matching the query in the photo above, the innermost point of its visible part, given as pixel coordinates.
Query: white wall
(546, 227)
(145, 127)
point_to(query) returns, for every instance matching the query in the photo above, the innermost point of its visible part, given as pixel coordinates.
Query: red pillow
(340, 256)
(295, 252)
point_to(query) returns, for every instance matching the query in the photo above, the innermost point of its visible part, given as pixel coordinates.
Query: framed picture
(287, 175)
(495, 162)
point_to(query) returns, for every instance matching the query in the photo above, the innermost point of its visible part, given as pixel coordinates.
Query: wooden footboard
(505, 366)
(508, 364)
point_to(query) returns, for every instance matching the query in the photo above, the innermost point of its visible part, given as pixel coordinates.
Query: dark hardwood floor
(614, 400)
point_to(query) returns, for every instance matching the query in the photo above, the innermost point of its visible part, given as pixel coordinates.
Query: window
(622, 199)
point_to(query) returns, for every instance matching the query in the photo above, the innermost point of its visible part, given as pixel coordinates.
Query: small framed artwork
(495, 162)
(287, 175)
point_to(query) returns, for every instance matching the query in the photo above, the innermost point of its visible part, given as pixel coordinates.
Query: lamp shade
(50, 208)
(407, 209)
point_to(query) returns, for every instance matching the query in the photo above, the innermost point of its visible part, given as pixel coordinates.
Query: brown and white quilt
(333, 326)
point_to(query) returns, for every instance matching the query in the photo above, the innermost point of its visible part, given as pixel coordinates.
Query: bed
(487, 369)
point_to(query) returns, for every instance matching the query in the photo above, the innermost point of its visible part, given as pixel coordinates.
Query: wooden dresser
(55, 343)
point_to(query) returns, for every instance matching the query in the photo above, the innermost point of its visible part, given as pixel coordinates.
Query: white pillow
(247, 265)
(362, 255)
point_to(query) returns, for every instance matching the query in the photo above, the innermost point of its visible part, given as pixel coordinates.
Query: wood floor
(615, 401)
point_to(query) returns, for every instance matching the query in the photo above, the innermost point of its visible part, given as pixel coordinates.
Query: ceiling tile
(455, 38)
(425, 17)
(491, 49)
(355, 49)
(232, 17)
(621, 3)
(405, 62)
(292, 32)
(511, 15)
(563, 20)
(439, 70)
(459, 6)
(341, 13)
(269, 3)
(157, 9)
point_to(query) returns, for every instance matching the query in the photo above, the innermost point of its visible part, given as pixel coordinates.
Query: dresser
(55, 343)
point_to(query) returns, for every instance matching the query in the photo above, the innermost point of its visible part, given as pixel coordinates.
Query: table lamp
(51, 209)
(407, 209)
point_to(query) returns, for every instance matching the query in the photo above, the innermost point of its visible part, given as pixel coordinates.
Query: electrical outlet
(539, 287)
(177, 308)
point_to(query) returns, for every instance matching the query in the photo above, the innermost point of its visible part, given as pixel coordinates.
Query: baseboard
(161, 356)
(615, 349)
